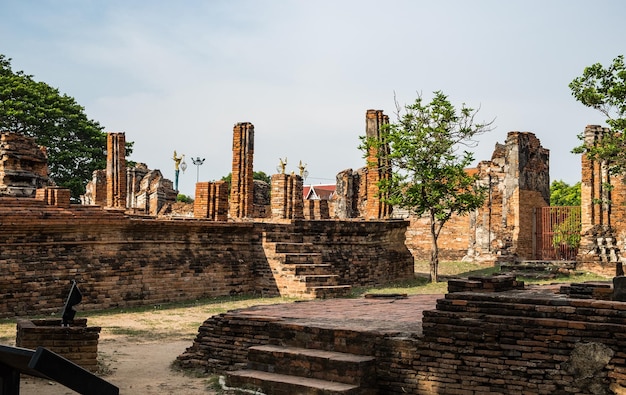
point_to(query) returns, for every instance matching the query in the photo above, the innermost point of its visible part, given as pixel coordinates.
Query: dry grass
(181, 320)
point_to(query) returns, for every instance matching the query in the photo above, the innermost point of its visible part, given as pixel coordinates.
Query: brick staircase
(298, 268)
(290, 370)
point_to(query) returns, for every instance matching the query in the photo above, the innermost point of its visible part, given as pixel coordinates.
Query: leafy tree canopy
(604, 89)
(428, 165)
(76, 145)
(563, 194)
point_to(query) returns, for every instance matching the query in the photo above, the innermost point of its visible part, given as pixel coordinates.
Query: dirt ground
(136, 368)
(136, 351)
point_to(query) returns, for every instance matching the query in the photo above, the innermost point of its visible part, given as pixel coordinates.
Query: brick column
(211, 201)
(287, 201)
(242, 182)
(377, 166)
(591, 187)
(116, 170)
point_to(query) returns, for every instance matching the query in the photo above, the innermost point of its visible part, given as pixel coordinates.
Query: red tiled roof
(319, 192)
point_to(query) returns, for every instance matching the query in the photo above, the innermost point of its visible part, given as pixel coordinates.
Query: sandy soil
(136, 351)
(135, 368)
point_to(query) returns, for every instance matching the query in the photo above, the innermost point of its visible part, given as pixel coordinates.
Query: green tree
(563, 194)
(184, 198)
(256, 175)
(428, 169)
(76, 146)
(604, 89)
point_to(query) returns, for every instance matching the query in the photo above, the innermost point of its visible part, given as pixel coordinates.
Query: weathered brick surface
(603, 225)
(54, 196)
(116, 170)
(517, 182)
(121, 260)
(23, 165)
(77, 342)
(211, 201)
(286, 197)
(378, 167)
(516, 341)
(242, 183)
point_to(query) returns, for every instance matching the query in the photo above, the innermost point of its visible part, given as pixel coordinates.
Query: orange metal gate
(557, 232)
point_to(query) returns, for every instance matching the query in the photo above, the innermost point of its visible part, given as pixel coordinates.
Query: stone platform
(490, 335)
(383, 314)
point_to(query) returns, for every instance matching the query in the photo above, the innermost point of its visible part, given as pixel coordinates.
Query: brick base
(78, 343)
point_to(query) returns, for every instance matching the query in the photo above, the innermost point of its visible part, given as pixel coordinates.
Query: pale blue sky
(177, 75)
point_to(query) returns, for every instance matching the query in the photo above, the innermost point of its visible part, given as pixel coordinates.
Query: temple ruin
(487, 335)
(23, 166)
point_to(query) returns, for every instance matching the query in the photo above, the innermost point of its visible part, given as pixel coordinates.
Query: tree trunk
(434, 251)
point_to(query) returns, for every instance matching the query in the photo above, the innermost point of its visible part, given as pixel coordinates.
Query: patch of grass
(447, 270)
(576, 277)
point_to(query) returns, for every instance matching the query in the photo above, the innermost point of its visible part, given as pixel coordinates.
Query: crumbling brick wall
(121, 260)
(23, 165)
(287, 200)
(211, 201)
(242, 181)
(603, 212)
(517, 182)
(378, 167)
(116, 170)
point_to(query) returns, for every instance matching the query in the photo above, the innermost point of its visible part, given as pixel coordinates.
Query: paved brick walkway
(386, 315)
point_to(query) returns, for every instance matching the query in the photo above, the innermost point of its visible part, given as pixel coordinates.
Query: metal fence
(557, 232)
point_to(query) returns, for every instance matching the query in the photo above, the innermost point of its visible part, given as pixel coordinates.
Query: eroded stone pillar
(211, 200)
(287, 199)
(116, 170)
(378, 167)
(242, 182)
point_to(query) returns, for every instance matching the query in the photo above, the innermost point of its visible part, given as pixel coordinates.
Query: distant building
(319, 192)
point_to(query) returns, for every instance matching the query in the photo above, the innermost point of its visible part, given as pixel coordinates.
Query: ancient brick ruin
(137, 188)
(23, 166)
(211, 201)
(123, 257)
(603, 212)
(378, 167)
(518, 182)
(78, 342)
(488, 335)
(242, 182)
(116, 170)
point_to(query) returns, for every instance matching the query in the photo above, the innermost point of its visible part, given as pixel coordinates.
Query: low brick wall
(514, 342)
(77, 342)
(120, 260)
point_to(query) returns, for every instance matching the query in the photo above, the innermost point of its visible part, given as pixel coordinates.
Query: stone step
(312, 363)
(309, 269)
(295, 248)
(303, 258)
(539, 269)
(281, 384)
(280, 237)
(319, 280)
(329, 291)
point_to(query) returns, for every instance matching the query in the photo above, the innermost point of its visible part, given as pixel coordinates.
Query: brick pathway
(372, 314)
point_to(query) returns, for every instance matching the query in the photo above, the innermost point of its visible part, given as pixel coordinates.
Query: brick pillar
(242, 182)
(377, 166)
(99, 185)
(116, 170)
(593, 178)
(54, 196)
(287, 201)
(211, 201)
